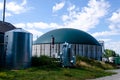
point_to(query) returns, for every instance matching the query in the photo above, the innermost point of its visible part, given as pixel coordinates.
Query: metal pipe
(4, 10)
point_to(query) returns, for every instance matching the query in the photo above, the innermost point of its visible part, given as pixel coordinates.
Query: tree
(110, 53)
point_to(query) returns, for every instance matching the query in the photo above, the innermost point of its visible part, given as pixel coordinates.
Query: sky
(100, 18)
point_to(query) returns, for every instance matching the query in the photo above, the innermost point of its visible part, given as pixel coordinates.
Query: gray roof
(68, 35)
(5, 26)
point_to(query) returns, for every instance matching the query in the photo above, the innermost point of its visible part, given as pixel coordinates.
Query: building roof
(68, 35)
(5, 26)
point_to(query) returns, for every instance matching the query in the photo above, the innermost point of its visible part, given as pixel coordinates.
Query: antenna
(4, 11)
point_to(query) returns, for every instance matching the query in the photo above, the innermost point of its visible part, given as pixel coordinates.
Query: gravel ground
(113, 77)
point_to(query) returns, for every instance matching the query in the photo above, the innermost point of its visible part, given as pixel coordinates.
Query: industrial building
(83, 44)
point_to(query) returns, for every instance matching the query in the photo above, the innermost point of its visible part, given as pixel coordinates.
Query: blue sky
(100, 18)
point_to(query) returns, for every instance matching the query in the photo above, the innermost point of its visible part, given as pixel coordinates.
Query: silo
(18, 48)
(2, 49)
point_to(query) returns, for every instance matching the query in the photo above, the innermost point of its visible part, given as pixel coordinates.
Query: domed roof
(68, 35)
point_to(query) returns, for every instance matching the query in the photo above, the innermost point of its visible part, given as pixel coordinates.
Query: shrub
(44, 61)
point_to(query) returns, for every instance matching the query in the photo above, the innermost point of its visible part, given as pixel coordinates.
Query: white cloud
(105, 33)
(20, 25)
(72, 12)
(41, 25)
(105, 40)
(29, 27)
(114, 26)
(35, 33)
(114, 30)
(113, 46)
(24, 2)
(14, 8)
(35, 27)
(1, 6)
(58, 6)
(72, 7)
(65, 17)
(8, 14)
(88, 18)
(115, 21)
(115, 18)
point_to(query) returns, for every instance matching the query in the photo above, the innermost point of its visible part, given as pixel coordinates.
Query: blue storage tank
(18, 48)
(2, 58)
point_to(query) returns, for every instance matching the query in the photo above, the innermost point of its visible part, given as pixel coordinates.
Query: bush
(44, 61)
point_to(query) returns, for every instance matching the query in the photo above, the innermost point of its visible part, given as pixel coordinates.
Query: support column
(99, 52)
(83, 51)
(94, 51)
(80, 50)
(89, 51)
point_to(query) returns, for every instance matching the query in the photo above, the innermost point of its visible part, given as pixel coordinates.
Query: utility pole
(4, 5)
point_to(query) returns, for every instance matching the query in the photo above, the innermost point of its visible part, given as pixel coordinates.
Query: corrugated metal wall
(90, 51)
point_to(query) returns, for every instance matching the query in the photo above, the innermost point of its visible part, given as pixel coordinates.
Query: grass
(37, 73)
(93, 64)
(89, 69)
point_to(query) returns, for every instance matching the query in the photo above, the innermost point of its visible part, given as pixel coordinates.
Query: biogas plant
(66, 43)
(17, 47)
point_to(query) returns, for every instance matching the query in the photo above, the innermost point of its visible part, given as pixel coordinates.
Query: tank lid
(18, 30)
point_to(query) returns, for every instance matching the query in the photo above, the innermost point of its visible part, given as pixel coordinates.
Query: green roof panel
(68, 35)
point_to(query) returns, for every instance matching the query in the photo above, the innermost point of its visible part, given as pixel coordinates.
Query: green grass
(39, 73)
(45, 68)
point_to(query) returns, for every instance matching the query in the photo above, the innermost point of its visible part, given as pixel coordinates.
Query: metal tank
(18, 48)
(67, 58)
(2, 57)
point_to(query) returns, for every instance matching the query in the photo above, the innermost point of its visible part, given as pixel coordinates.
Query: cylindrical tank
(2, 49)
(18, 48)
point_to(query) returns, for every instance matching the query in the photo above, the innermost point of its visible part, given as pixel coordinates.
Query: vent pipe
(4, 5)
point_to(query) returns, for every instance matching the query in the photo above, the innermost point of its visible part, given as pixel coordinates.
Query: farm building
(4, 26)
(83, 44)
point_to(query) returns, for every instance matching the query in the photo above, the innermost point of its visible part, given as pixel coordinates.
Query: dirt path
(113, 77)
